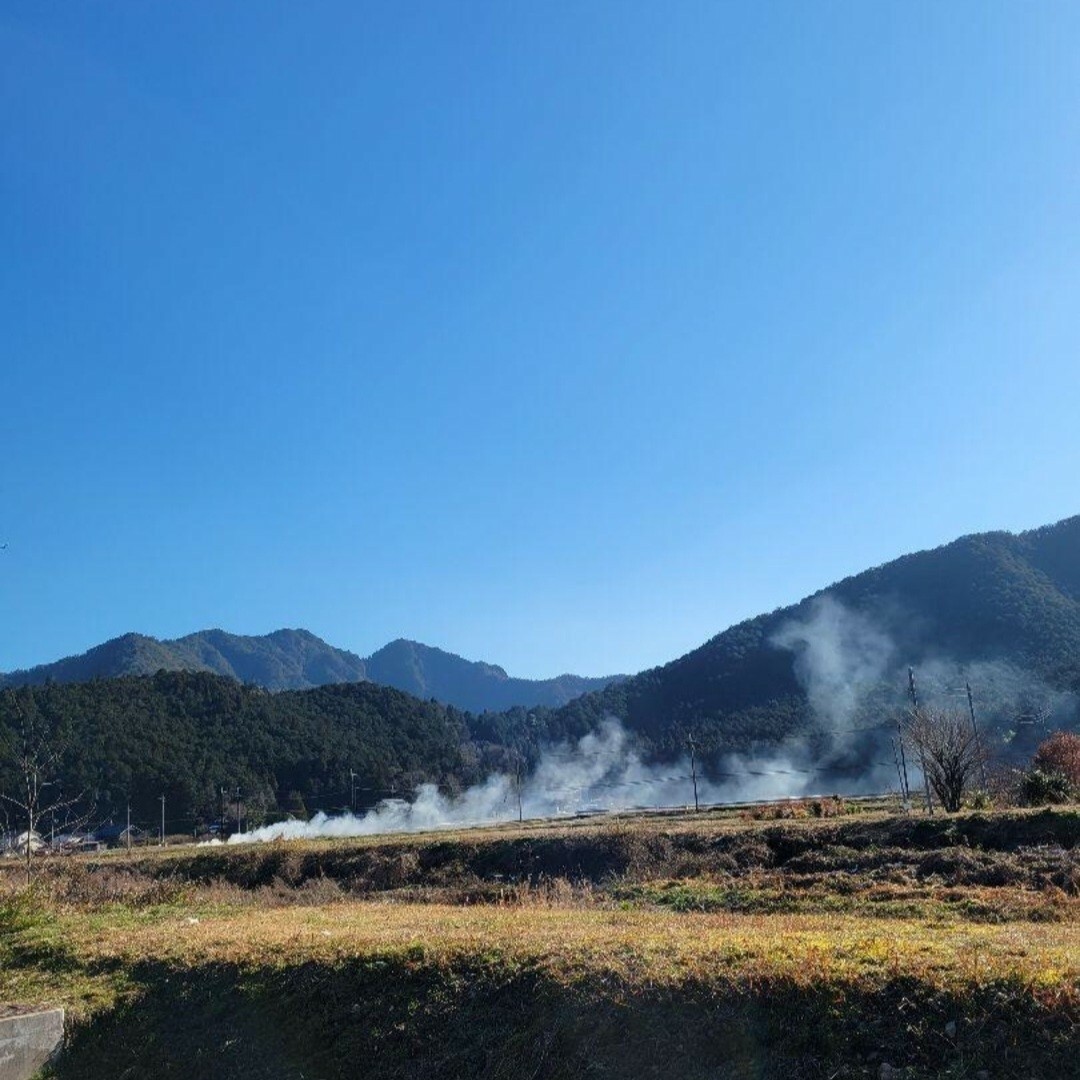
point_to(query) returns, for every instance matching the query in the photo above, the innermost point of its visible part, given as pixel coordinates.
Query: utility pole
(905, 789)
(900, 776)
(162, 798)
(517, 785)
(693, 767)
(975, 732)
(221, 830)
(352, 791)
(128, 831)
(922, 753)
(238, 829)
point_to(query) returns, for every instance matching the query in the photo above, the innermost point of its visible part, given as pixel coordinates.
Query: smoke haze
(600, 772)
(855, 681)
(839, 656)
(855, 678)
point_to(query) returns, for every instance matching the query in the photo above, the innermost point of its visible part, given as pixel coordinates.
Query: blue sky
(557, 335)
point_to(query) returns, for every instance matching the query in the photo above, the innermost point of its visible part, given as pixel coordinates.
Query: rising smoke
(840, 655)
(854, 678)
(600, 772)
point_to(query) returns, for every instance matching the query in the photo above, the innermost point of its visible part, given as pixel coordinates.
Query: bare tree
(36, 757)
(949, 749)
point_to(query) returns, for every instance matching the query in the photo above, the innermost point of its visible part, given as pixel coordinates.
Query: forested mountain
(297, 660)
(998, 609)
(283, 660)
(187, 735)
(1001, 611)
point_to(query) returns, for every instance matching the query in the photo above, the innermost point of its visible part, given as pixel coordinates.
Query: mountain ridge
(984, 598)
(995, 598)
(297, 659)
(984, 607)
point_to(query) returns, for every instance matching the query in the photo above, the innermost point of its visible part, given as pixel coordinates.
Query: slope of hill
(131, 654)
(298, 660)
(998, 608)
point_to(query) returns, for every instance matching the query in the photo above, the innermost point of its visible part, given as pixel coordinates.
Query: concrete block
(28, 1039)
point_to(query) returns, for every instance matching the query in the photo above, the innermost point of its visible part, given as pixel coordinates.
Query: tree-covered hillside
(187, 735)
(995, 607)
(999, 610)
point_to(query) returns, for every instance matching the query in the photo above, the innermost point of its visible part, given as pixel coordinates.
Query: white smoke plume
(839, 656)
(856, 681)
(842, 657)
(1008, 701)
(600, 772)
(844, 661)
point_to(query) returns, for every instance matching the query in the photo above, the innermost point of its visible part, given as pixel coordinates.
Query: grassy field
(694, 946)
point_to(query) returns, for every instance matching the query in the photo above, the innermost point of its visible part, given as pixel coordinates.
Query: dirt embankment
(1030, 850)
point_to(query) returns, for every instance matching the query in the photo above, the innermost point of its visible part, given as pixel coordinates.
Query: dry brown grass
(842, 922)
(639, 947)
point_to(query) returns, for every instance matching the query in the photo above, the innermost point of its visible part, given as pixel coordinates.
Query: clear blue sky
(558, 335)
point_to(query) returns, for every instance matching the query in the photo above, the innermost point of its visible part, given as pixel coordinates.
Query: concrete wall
(28, 1040)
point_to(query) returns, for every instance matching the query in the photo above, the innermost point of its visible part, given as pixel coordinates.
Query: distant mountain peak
(418, 652)
(295, 659)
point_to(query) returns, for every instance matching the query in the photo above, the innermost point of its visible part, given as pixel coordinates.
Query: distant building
(69, 841)
(16, 843)
(112, 835)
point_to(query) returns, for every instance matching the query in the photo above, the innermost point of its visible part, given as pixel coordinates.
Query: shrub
(1060, 753)
(831, 807)
(1038, 788)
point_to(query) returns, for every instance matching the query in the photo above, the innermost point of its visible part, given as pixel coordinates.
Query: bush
(1040, 788)
(1060, 753)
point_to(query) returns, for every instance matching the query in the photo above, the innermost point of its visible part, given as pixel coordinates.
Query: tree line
(217, 751)
(190, 736)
